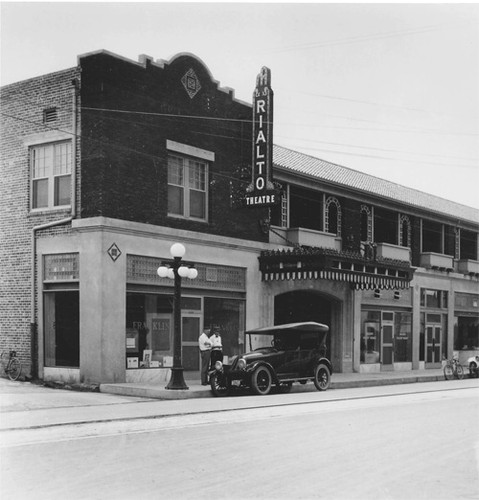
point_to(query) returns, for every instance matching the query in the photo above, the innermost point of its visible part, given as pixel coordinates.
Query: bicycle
(13, 367)
(453, 369)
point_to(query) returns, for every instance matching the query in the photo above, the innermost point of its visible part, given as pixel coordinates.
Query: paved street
(408, 441)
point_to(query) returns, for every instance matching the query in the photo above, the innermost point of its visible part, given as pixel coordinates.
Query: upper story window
(51, 166)
(187, 181)
(305, 208)
(366, 223)
(385, 226)
(333, 216)
(468, 245)
(404, 231)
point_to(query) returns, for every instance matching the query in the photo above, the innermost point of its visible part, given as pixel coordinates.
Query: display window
(370, 329)
(386, 337)
(466, 333)
(150, 328)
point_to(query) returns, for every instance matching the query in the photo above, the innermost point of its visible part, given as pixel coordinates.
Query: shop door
(433, 346)
(387, 340)
(190, 351)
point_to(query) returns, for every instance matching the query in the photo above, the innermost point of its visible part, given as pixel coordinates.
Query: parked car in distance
(278, 356)
(473, 364)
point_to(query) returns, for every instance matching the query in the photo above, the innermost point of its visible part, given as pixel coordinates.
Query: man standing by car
(205, 351)
(216, 346)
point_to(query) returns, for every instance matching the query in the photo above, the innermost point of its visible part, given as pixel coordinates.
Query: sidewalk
(25, 407)
(338, 381)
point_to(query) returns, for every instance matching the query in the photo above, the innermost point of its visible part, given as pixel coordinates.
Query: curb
(155, 392)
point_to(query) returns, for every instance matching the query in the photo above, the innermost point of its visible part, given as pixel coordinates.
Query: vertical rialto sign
(261, 190)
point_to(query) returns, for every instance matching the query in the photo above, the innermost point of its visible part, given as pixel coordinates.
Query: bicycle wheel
(448, 372)
(459, 371)
(14, 369)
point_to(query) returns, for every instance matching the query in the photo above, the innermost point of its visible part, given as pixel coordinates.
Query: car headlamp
(218, 365)
(241, 364)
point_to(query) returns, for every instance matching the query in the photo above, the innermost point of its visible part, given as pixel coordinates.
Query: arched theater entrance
(302, 305)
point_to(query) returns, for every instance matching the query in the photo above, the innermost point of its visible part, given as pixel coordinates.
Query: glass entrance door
(191, 331)
(433, 346)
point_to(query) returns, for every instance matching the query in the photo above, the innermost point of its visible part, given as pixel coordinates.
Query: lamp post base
(177, 382)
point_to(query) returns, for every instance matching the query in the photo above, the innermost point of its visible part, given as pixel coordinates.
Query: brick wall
(137, 108)
(22, 106)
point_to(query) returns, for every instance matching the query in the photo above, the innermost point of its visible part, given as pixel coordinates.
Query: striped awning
(326, 264)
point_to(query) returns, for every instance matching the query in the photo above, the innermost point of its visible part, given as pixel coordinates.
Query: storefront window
(370, 323)
(149, 328)
(394, 347)
(466, 333)
(402, 337)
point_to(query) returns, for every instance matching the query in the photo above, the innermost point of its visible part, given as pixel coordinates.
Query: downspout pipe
(33, 325)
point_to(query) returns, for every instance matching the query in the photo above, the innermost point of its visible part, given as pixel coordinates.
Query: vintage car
(279, 355)
(473, 364)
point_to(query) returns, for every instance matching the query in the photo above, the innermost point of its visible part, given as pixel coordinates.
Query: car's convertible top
(308, 326)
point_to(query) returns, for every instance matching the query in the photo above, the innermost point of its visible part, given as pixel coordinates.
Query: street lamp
(176, 270)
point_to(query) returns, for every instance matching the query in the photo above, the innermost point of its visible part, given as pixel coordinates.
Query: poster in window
(131, 340)
(147, 358)
(132, 362)
(160, 334)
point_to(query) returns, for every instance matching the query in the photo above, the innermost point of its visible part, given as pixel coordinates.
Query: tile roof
(342, 176)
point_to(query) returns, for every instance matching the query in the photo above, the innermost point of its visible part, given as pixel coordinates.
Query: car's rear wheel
(220, 385)
(322, 377)
(261, 381)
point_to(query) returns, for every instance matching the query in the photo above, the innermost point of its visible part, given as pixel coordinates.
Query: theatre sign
(261, 191)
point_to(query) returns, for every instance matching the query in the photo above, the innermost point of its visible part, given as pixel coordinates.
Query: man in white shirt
(205, 351)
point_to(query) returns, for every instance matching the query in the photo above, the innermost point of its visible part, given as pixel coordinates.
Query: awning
(303, 263)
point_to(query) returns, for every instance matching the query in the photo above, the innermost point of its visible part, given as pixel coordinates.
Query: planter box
(310, 237)
(388, 251)
(467, 266)
(431, 260)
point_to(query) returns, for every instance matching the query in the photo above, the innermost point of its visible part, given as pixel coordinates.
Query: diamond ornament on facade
(114, 252)
(191, 83)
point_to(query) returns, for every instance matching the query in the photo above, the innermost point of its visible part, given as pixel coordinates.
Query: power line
(354, 39)
(388, 158)
(369, 103)
(383, 149)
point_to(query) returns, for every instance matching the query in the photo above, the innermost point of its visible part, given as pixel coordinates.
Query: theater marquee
(261, 191)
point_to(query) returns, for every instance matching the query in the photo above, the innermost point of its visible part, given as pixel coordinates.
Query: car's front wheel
(322, 377)
(261, 381)
(220, 385)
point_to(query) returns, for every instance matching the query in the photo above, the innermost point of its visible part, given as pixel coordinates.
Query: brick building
(107, 164)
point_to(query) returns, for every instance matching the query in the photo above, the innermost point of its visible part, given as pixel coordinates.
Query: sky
(391, 90)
